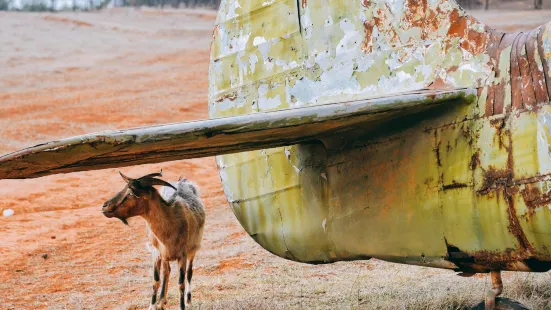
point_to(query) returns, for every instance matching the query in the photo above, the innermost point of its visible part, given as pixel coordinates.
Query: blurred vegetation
(102, 5)
(36, 7)
(489, 4)
(49, 5)
(4, 4)
(471, 4)
(174, 3)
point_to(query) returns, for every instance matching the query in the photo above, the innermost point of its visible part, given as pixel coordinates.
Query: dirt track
(68, 74)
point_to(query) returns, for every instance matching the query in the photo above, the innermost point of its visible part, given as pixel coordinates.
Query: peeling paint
(449, 176)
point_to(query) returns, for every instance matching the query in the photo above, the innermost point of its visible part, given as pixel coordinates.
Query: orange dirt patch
(239, 262)
(67, 21)
(211, 16)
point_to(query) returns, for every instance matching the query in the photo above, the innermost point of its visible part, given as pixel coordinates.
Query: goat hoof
(188, 300)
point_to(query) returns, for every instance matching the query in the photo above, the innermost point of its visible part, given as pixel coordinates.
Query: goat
(175, 218)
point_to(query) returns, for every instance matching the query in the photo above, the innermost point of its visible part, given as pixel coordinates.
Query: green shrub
(35, 7)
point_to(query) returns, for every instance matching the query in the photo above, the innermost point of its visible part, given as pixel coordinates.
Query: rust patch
(529, 84)
(484, 261)
(415, 13)
(476, 262)
(419, 15)
(516, 90)
(533, 198)
(508, 192)
(437, 148)
(499, 125)
(367, 44)
(527, 89)
(471, 40)
(475, 42)
(475, 161)
(514, 224)
(458, 25)
(454, 185)
(440, 84)
(544, 62)
(231, 97)
(492, 50)
(500, 95)
(495, 179)
(538, 78)
(502, 181)
(433, 19)
(365, 3)
(380, 21)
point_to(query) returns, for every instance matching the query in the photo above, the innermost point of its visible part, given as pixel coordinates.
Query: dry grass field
(66, 74)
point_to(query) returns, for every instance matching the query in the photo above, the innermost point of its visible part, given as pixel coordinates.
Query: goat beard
(123, 220)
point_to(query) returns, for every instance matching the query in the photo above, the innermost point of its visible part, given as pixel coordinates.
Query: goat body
(175, 224)
(175, 218)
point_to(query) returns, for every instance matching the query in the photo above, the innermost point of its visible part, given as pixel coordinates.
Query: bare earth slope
(71, 73)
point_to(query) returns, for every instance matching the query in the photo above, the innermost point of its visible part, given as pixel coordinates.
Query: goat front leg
(165, 270)
(156, 279)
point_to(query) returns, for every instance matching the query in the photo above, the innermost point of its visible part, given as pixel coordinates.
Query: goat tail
(186, 186)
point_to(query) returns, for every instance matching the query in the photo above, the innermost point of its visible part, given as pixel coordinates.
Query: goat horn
(152, 175)
(125, 178)
(152, 181)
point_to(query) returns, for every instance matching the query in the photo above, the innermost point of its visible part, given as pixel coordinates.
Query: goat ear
(126, 179)
(152, 181)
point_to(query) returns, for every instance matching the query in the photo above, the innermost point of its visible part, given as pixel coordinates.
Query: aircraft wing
(118, 148)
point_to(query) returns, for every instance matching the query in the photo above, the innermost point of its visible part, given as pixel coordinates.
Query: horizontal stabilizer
(203, 138)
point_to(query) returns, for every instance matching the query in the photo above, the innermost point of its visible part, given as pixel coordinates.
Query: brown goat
(175, 218)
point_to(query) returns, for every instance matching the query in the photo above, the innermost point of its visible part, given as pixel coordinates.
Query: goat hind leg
(189, 271)
(182, 281)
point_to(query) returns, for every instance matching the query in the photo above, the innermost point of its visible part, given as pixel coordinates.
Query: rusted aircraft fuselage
(466, 186)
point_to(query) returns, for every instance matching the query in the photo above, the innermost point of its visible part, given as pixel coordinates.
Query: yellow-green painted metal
(464, 186)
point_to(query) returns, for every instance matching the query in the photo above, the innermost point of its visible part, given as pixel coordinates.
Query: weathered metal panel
(371, 190)
(440, 189)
